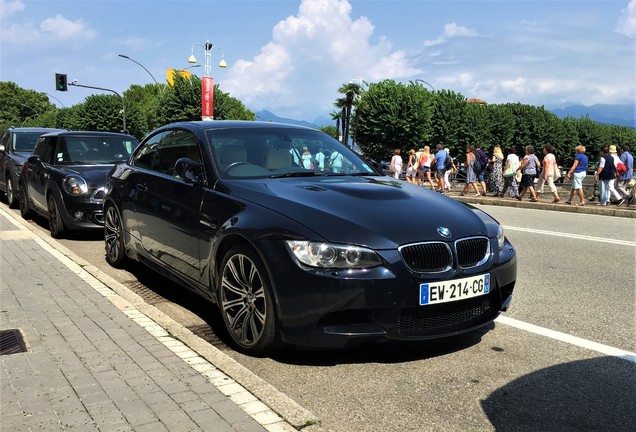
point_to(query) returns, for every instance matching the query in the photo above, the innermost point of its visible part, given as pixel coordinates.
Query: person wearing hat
(606, 174)
(626, 179)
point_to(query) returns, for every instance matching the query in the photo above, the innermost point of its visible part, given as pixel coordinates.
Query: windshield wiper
(76, 163)
(298, 174)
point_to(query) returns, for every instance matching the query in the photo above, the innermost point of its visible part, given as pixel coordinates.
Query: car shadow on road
(154, 288)
(383, 352)
(586, 395)
(93, 234)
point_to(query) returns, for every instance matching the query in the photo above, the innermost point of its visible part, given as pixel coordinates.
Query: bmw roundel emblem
(444, 232)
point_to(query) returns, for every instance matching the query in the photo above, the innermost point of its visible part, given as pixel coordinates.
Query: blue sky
(290, 57)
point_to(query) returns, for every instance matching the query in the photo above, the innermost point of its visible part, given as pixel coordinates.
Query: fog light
(78, 215)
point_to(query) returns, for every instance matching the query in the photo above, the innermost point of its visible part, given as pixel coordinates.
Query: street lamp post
(60, 102)
(207, 83)
(123, 105)
(207, 52)
(144, 68)
(421, 80)
(190, 67)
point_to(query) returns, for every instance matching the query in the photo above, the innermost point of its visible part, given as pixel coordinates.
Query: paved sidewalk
(95, 363)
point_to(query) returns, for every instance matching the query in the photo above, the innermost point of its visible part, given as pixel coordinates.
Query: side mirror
(189, 170)
(34, 160)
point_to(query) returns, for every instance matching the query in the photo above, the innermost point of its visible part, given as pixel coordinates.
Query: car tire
(56, 224)
(25, 211)
(12, 199)
(246, 302)
(114, 237)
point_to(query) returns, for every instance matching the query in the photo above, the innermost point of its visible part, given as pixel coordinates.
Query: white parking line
(568, 235)
(573, 340)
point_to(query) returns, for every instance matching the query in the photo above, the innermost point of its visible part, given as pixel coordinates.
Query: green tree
(19, 106)
(502, 124)
(351, 92)
(330, 130)
(104, 113)
(147, 99)
(182, 102)
(391, 116)
(448, 122)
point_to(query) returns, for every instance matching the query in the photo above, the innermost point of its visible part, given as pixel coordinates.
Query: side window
(161, 152)
(44, 149)
(147, 155)
(175, 145)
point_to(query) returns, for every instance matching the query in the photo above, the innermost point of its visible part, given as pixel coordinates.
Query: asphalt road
(576, 276)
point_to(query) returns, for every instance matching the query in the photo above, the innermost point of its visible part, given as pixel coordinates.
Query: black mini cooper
(65, 177)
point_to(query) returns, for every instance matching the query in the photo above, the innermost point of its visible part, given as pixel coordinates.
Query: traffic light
(60, 82)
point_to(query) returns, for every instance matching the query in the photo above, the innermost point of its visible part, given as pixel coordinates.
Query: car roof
(242, 124)
(34, 129)
(86, 134)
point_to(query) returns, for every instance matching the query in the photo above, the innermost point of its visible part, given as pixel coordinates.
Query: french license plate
(453, 290)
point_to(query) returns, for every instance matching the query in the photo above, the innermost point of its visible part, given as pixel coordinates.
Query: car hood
(20, 157)
(95, 175)
(378, 212)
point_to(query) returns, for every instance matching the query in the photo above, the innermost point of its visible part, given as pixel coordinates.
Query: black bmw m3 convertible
(298, 240)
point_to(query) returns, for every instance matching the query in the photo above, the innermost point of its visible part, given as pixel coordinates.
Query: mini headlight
(75, 185)
(501, 238)
(330, 255)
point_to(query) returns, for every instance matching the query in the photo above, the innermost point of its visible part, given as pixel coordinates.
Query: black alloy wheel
(246, 302)
(25, 211)
(56, 224)
(12, 199)
(114, 237)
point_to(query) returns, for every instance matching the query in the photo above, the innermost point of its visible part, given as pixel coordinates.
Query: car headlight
(75, 185)
(501, 238)
(329, 255)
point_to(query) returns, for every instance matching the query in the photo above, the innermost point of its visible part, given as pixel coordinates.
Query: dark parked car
(65, 177)
(16, 145)
(298, 255)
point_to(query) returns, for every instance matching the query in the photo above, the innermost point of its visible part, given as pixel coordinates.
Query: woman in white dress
(396, 164)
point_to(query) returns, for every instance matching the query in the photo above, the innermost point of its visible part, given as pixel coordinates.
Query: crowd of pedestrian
(516, 177)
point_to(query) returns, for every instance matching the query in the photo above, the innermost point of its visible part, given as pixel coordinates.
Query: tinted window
(25, 141)
(44, 149)
(161, 151)
(257, 152)
(93, 150)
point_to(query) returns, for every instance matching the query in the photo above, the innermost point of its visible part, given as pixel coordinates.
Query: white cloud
(63, 29)
(451, 30)
(396, 65)
(8, 8)
(627, 21)
(321, 47)
(50, 30)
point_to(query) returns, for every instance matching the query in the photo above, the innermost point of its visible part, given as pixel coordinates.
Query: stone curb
(291, 412)
(588, 208)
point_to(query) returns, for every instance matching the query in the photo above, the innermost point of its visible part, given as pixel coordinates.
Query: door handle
(141, 187)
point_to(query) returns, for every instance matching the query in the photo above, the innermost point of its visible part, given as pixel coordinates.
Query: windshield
(94, 150)
(281, 152)
(25, 141)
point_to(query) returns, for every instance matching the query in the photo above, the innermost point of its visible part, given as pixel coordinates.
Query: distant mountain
(622, 115)
(265, 115)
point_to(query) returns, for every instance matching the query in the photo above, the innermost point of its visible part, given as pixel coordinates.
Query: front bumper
(80, 215)
(336, 309)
